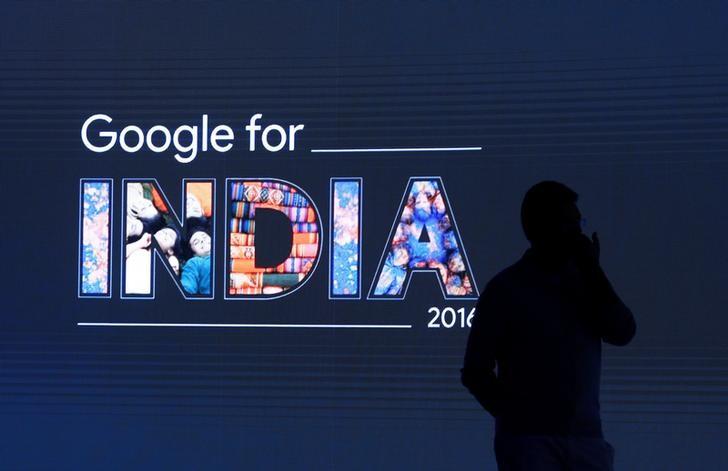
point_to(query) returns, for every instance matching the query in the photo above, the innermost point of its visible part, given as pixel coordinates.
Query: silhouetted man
(542, 321)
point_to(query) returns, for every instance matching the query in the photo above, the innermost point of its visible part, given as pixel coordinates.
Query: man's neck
(548, 259)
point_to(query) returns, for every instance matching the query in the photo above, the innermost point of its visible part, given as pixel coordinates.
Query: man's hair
(539, 204)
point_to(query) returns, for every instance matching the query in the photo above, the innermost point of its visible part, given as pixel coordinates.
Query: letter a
(424, 238)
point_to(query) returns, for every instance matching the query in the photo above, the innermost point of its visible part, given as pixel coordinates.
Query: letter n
(185, 247)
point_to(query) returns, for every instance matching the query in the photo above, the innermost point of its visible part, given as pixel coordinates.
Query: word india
(182, 236)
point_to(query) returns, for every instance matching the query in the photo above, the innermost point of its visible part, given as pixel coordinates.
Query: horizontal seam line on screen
(310, 326)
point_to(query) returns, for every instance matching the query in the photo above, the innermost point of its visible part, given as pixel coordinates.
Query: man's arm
(478, 373)
(615, 321)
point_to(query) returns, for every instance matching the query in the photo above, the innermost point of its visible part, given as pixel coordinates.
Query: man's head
(550, 217)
